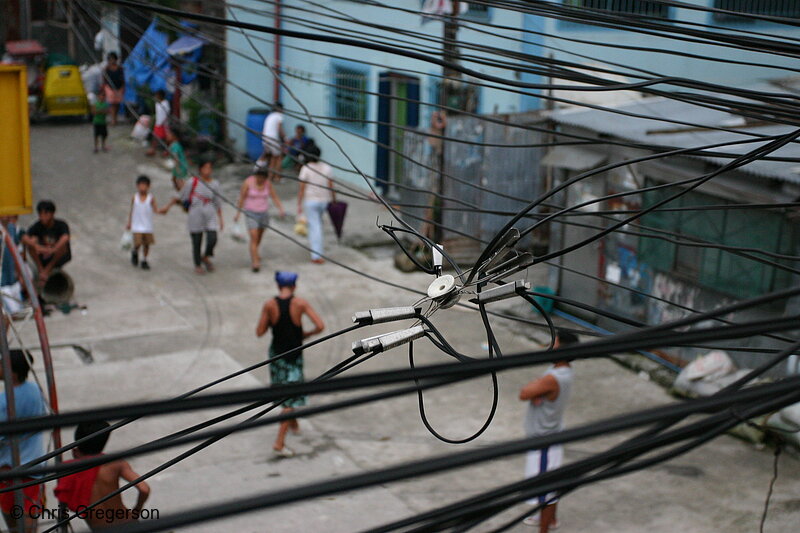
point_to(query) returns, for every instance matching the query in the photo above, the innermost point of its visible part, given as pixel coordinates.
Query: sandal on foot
(284, 452)
(533, 521)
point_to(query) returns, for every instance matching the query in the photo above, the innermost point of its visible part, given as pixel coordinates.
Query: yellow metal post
(16, 195)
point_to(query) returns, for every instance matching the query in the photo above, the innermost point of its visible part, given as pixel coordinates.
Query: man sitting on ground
(48, 240)
(80, 490)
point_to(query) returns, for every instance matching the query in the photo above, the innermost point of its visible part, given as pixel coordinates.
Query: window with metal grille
(474, 9)
(349, 97)
(633, 7)
(461, 97)
(477, 10)
(716, 269)
(773, 8)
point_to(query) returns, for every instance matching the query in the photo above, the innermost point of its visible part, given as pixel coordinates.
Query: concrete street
(156, 334)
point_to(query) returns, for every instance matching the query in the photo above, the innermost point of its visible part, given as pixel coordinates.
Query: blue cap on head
(285, 279)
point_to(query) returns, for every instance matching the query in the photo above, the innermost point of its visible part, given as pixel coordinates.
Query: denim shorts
(256, 220)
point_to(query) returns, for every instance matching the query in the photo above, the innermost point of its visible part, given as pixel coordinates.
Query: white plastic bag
(142, 128)
(787, 421)
(700, 388)
(710, 366)
(12, 298)
(238, 231)
(126, 242)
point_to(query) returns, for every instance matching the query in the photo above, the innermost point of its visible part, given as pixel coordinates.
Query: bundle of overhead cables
(663, 433)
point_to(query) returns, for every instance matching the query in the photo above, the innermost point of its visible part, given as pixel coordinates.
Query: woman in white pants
(316, 192)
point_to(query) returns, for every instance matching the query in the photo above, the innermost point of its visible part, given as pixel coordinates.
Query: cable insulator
(515, 264)
(501, 293)
(385, 314)
(387, 341)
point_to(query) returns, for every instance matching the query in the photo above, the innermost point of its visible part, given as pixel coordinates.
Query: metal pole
(38, 317)
(25, 19)
(11, 408)
(71, 31)
(449, 53)
(176, 95)
(44, 342)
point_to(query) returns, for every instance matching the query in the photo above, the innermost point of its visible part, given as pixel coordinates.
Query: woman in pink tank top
(254, 198)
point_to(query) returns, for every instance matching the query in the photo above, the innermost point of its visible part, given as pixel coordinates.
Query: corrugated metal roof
(631, 127)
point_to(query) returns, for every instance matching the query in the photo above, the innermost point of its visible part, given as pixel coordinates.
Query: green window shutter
(749, 229)
(720, 270)
(656, 253)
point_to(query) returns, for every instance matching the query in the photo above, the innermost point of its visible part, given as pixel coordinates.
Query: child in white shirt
(140, 221)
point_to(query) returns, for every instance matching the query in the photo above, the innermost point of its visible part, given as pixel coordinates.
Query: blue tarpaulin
(148, 64)
(188, 49)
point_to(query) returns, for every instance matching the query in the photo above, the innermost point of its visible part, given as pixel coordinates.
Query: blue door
(398, 109)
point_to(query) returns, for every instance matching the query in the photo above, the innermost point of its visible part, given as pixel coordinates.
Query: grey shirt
(203, 205)
(548, 417)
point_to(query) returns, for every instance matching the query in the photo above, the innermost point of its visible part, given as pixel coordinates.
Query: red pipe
(176, 96)
(276, 90)
(11, 408)
(44, 342)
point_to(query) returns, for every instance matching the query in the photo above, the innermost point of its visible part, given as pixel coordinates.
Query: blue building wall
(307, 71)
(245, 73)
(710, 70)
(534, 26)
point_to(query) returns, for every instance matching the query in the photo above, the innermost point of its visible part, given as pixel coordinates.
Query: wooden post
(450, 54)
(71, 50)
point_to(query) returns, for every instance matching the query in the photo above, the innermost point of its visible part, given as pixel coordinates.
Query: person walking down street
(99, 122)
(47, 241)
(298, 145)
(274, 139)
(162, 109)
(114, 85)
(201, 197)
(140, 221)
(177, 162)
(547, 399)
(29, 403)
(78, 491)
(284, 315)
(254, 199)
(316, 192)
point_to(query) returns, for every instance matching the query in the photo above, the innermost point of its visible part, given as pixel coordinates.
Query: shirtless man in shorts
(80, 490)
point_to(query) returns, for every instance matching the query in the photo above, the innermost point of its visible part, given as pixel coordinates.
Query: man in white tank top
(547, 400)
(273, 139)
(140, 221)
